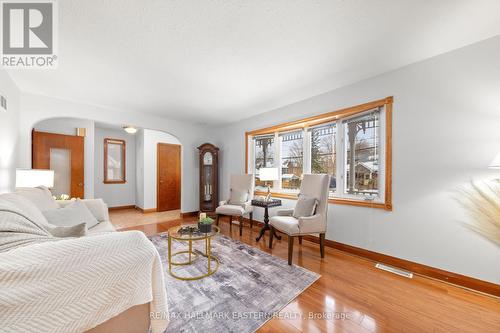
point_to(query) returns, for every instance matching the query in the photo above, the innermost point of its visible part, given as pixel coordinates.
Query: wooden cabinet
(209, 177)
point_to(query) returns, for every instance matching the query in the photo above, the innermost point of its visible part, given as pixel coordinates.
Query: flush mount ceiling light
(130, 129)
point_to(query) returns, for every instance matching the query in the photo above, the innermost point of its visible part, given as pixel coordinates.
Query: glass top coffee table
(183, 234)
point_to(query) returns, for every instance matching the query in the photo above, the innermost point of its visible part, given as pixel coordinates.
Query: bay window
(351, 145)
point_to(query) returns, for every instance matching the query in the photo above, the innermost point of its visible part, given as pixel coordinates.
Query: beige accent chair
(315, 186)
(244, 182)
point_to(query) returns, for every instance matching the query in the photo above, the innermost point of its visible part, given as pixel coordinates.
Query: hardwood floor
(353, 296)
(132, 217)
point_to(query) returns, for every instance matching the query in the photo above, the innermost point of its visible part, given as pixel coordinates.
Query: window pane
(60, 162)
(264, 158)
(362, 141)
(292, 160)
(323, 154)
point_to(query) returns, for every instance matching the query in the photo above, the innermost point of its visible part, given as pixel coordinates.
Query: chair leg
(322, 244)
(241, 225)
(230, 223)
(217, 220)
(251, 220)
(300, 240)
(271, 234)
(290, 249)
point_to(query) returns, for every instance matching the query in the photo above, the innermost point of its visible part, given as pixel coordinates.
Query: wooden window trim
(124, 159)
(328, 117)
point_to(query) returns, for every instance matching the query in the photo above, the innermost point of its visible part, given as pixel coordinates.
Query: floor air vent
(394, 270)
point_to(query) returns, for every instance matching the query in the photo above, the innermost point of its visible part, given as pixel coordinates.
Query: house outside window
(292, 160)
(352, 145)
(362, 142)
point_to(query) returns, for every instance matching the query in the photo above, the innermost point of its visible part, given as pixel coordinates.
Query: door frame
(158, 145)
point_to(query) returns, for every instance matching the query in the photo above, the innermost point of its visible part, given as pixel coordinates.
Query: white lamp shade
(34, 178)
(495, 164)
(266, 174)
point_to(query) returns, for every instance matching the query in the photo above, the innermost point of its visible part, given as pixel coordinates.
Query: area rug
(249, 288)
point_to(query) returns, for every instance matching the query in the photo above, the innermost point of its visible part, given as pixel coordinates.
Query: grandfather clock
(209, 177)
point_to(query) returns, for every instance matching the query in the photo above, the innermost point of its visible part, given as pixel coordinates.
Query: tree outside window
(362, 141)
(292, 160)
(352, 146)
(323, 155)
(264, 158)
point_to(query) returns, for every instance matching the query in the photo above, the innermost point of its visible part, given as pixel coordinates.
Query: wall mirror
(114, 161)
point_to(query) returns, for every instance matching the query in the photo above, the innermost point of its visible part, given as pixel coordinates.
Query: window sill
(360, 203)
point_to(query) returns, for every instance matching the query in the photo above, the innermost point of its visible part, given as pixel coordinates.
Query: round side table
(174, 233)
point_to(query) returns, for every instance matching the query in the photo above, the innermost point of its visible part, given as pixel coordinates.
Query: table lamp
(268, 174)
(495, 164)
(34, 178)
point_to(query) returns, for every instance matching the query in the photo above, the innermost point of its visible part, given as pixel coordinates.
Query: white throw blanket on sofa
(50, 284)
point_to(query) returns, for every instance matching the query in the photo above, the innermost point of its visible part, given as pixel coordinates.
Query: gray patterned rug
(248, 289)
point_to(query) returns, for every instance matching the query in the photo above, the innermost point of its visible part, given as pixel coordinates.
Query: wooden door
(43, 142)
(169, 177)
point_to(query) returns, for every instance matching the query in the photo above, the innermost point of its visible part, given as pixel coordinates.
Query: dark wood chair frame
(290, 243)
(240, 219)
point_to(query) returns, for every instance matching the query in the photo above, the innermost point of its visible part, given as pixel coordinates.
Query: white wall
(115, 195)
(9, 133)
(35, 108)
(68, 126)
(446, 131)
(139, 168)
(151, 139)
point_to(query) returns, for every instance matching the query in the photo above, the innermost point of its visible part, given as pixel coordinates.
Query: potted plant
(205, 224)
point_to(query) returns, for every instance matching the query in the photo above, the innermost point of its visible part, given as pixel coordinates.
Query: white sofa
(75, 284)
(43, 200)
(100, 211)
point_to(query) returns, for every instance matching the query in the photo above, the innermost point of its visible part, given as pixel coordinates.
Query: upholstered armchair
(239, 202)
(313, 186)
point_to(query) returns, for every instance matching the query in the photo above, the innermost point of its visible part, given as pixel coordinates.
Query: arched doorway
(141, 166)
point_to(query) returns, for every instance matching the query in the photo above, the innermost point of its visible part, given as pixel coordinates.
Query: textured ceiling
(215, 61)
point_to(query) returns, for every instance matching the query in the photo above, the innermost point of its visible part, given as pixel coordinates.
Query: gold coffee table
(173, 233)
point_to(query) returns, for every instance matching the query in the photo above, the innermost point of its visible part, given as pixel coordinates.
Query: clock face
(207, 158)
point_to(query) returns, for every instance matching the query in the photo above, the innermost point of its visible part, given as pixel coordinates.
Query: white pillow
(39, 196)
(73, 214)
(306, 206)
(78, 230)
(238, 197)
